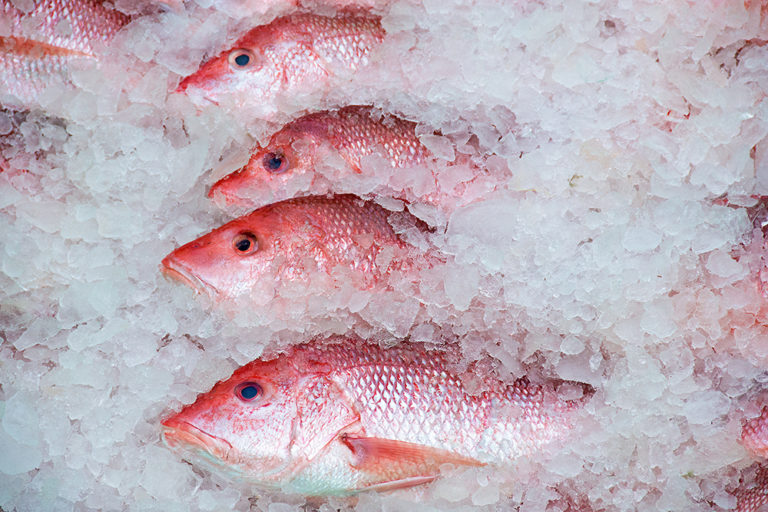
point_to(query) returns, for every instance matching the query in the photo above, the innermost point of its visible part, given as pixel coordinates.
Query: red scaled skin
(351, 133)
(342, 416)
(752, 496)
(754, 434)
(284, 56)
(292, 240)
(752, 493)
(40, 50)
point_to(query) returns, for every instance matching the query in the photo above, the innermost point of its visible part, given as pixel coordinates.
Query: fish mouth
(172, 269)
(189, 87)
(180, 435)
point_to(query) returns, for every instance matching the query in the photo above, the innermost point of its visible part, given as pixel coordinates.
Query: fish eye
(241, 58)
(245, 243)
(248, 391)
(275, 163)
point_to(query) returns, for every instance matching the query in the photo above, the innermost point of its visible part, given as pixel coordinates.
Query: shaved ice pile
(596, 247)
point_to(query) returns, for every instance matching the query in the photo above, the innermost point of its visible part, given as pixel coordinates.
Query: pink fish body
(327, 419)
(40, 46)
(289, 53)
(294, 152)
(754, 434)
(292, 240)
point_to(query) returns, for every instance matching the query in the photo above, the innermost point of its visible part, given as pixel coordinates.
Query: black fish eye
(240, 58)
(245, 243)
(248, 391)
(275, 162)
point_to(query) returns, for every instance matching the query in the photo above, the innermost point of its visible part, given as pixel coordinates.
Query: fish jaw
(194, 444)
(172, 268)
(178, 433)
(206, 78)
(229, 190)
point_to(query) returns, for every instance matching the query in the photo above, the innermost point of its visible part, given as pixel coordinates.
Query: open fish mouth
(175, 270)
(185, 437)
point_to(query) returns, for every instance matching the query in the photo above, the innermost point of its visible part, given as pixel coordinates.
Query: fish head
(245, 71)
(243, 426)
(226, 261)
(251, 255)
(289, 157)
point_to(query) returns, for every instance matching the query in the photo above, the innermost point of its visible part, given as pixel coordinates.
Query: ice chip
(461, 285)
(640, 239)
(441, 147)
(723, 265)
(18, 457)
(572, 345)
(20, 420)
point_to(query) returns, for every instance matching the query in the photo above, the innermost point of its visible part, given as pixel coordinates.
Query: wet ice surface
(600, 256)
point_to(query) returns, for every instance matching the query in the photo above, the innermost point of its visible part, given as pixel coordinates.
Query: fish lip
(178, 432)
(195, 93)
(173, 269)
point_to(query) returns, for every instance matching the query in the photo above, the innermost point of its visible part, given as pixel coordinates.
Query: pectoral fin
(392, 464)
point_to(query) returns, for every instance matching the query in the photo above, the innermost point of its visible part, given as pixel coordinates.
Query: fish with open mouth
(285, 55)
(339, 416)
(342, 236)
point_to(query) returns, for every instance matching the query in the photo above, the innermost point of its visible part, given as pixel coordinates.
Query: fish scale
(43, 44)
(342, 417)
(754, 434)
(753, 496)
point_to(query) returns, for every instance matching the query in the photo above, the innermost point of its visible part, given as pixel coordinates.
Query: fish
(292, 240)
(341, 415)
(294, 152)
(290, 53)
(39, 46)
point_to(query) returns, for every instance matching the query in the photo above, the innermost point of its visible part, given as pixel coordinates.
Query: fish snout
(175, 270)
(225, 190)
(178, 433)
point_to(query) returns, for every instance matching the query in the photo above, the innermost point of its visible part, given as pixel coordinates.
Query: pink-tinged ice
(339, 416)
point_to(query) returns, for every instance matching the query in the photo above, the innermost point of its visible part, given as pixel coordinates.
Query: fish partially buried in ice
(40, 45)
(754, 434)
(348, 416)
(294, 152)
(292, 240)
(291, 52)
(752, 494)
